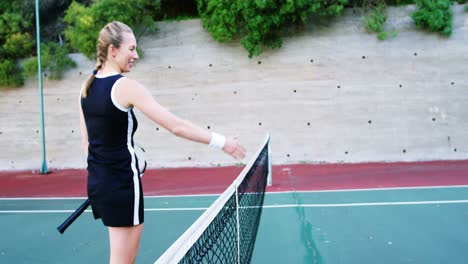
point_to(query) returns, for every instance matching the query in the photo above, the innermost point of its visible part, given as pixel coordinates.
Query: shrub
(54, 60)
(260, 22)
(10, 74)
(13, 19)
(19, 45)
(15, 42)
(375, 20)
(434, 15)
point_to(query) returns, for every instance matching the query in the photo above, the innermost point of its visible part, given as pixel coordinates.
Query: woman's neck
(109, 69)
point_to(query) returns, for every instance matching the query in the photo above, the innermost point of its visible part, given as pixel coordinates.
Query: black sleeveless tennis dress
(114, 184)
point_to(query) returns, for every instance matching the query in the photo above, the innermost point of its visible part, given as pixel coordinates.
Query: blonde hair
(111, 34)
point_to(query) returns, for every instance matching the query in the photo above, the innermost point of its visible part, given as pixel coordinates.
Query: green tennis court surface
(401, 225)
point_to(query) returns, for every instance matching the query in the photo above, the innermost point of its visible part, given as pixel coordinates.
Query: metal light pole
(44, 169)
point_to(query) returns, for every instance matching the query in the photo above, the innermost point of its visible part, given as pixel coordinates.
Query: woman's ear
(112, 51)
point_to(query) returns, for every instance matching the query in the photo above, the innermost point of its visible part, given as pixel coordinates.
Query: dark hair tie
(94, 72)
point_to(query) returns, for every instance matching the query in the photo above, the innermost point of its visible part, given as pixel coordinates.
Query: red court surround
(297, 177)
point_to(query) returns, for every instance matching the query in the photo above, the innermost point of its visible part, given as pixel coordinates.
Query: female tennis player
(108, 125)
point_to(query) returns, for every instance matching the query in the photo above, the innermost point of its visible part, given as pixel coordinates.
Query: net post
(238, 224)
(270, 171)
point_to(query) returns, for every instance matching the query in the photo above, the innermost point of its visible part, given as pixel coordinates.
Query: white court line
(89, 211)
(40, 198)
(83, 198)
(368, 204)
(274, 192)
(38, 211)
(374, 189)
(265, 206)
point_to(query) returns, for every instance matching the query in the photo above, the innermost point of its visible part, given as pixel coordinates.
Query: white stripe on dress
(136, 185)
(114, 101)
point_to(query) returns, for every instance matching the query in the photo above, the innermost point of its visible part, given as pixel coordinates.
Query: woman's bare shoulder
(129, 82)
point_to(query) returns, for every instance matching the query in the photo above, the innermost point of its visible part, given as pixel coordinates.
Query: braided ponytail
(111, 34)
(91, 77)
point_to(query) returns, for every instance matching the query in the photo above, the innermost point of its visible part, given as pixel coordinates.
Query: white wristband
(217, 141)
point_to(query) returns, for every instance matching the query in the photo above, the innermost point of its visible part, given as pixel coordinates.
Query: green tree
(84, 22)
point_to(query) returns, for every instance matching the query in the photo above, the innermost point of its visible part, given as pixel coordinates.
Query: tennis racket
(141, 161)
(73, 216)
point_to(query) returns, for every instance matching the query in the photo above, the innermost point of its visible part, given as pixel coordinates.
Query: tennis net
(227, 230)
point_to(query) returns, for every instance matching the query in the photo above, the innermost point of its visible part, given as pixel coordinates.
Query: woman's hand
(234, 148)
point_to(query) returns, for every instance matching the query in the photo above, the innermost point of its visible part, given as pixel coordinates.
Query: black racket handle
(73, 216)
